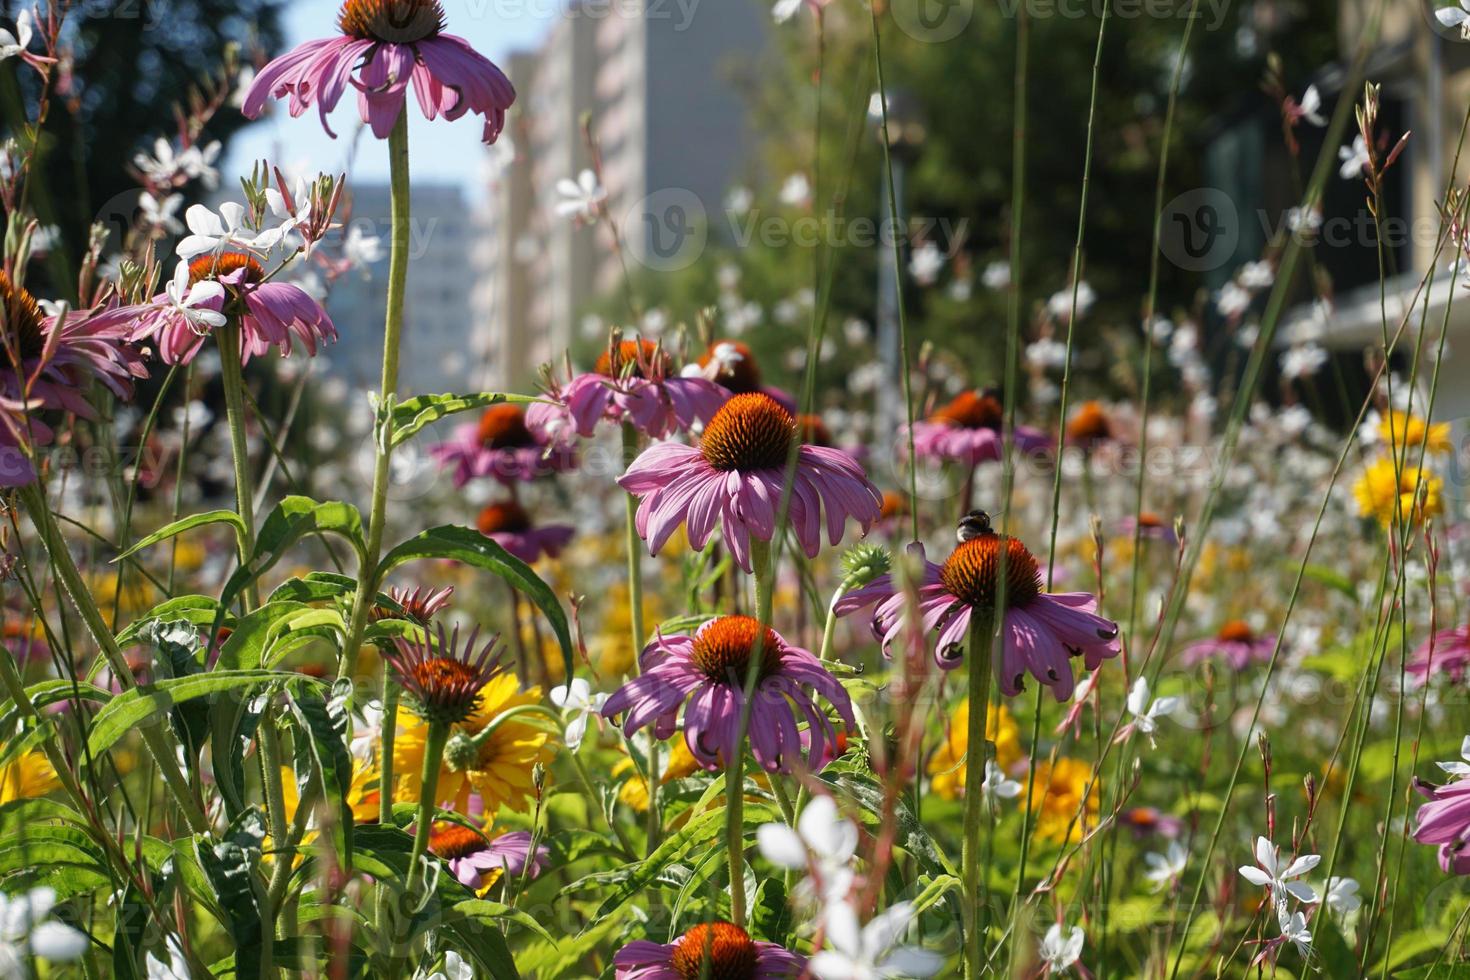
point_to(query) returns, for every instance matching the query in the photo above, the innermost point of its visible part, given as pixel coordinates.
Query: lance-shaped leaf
(412, 415)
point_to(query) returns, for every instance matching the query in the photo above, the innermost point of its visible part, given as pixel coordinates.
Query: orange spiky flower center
(24, 338)
(450, 840)
(894, 505)
(742, 375)
(507, 517)
(631, 358)
(504, 427)
(1237, 631)
(391, 21)
(724, 646)
(749, 432)
(972, 572)
(219, 266)
(1090, 424)
(972, 410)
(716, 950)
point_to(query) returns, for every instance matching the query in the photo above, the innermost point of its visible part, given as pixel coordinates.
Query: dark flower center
(749, 432)
(631, 359)
(504, 518)
(740, 375)
(972, 410)
(1090, 424)
(504, 427)
(219, 266)
(391, 21)
(1237, 631)
(24, 339)
(450, 840)
(723, 647)
(971, 572)
(717, 950)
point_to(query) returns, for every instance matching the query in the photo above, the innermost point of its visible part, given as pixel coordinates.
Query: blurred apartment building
(662, 85)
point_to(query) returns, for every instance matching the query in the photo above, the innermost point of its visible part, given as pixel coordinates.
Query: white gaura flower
(1311, 107)
(213, 233)
(997, 275)
(25, 932)
(1268, 872)
(1060, 953)
(784, 10)
(361, 249)
(581, 199)
(578, 699)
(1303, 361)
(1060, 304)
(366, 731)
(796, 192)
(198, 162)
(1232, 300)
(926, 263)
(161, 214)
(1456, 17)
(16, 44)
(177, 968)
(1354, 158)
(1146, 713)
(1342, 896)
(739, 200)
(996, 785)
(1303, 219)
(1164, 869)
(823, 843)
(185, 299)
(1460, 770)
(1294, 930)
(455, 968)
(1256, 275)
(871, 952)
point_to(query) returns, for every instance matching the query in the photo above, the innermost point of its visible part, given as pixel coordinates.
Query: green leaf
(770, 916)
(230, 866)
(291, 520)
(315, 587)
(43, 694)
(127, 936)
(133, 708)
(197, 609)
(412, 415)
(322, 743)
(473, 548)
(495, 912)
(188, 524)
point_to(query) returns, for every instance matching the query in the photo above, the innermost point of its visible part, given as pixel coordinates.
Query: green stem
(978, 656)
(434, 744)
(764, 575)
(233, 379)
(367, 574)
(275, 798)
(72, 583)
(634, 546)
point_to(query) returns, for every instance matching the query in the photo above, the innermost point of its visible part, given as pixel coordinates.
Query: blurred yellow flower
(362, 796)
(28, 776)
(1386, 490)
(1059, 790)
(1399, 429)
(947, 766)
(497, 761)
(634, 792)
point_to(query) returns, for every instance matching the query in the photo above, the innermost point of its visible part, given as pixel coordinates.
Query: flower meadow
(680, 673)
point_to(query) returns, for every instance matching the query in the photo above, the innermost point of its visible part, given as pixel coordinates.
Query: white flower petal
(58, 941)
(781, 846)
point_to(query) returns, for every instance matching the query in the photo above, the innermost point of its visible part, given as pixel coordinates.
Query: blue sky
(438, 151)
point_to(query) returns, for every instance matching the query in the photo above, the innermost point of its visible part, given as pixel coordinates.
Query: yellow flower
(362, 798)
(27, 777)
(1399, 429)
(947, 767)
(1383, 493)
(634, 792)
(498, 767)
(1059, 791)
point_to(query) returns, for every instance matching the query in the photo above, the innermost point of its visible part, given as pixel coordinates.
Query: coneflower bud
(864, 562)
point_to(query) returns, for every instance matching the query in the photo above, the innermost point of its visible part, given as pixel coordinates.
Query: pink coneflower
(1236, 643)
(385, 44)
(709, 670)
(735, 478)
(1445, 820)
(211, 288)
(731, 365)
(1090, 426)
(967, 430)
(633, 382)
(502, 446)
(717, 950)
(1146, 821)
(1448, 653)
(508, 525)
(444, 682)
(45, 363)
(1149, 527)
(477, 862)
(1040, 630)
(420, 605)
